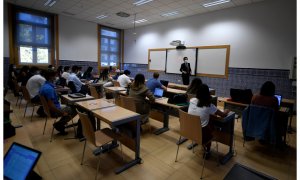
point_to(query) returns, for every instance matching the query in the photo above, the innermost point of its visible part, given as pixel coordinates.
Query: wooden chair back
(26, 94)
(45, 106)
(87, 128)
(128, 103)
(190, 126)
(116, 83)
(94, 92)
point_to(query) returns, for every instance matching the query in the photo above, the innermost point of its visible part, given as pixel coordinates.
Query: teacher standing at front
(185, 69)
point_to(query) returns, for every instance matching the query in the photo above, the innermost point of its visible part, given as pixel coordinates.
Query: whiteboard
(175, 59)
(156, 59)
(213, 61)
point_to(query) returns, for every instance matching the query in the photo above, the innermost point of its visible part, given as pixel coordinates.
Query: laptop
(158, 93)
(279, 98)
(19, 161)
(76, 95)
(165, 83)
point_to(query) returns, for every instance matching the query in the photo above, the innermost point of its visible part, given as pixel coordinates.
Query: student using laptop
(80, 87)
(139, 92)
(266, 96)
(48, 91)
(155, 83)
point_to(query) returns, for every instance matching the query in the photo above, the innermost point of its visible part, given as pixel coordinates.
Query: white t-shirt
(124, 80)
(203, 112)
(34, 84)
(65, 75)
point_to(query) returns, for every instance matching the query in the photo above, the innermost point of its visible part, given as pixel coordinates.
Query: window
(33, 37)
(109, 47)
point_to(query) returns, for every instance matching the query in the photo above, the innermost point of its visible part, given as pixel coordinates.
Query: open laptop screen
(19, 161)
(165, 83)
(158, 92)
(279, 98)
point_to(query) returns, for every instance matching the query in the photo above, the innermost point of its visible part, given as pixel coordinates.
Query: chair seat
(101, 138)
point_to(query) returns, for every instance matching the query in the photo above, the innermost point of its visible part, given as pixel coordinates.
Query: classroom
(129, 89)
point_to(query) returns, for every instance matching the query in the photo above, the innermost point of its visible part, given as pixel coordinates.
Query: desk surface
(94, 104)
(72, 100)
(175, 91)
(114, 115)
(164, 101)
(115, 89)
(62, 89)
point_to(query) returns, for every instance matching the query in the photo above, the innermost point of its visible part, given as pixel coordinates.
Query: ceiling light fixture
(50, 3)
(140, 21)
(101, 17)
(215, 3)
(141, 2)
(170, 14)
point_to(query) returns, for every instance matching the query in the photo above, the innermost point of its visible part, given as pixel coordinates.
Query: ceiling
(88, 10)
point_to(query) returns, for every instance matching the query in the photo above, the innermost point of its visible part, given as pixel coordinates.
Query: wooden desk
(62, 89)
(185, 87)
(290, 104)
(70, 100)
(166, 109)
(224, 133)
(94, 104)
(115, 116)
(175, 91)
(115, 89)
(99, 83)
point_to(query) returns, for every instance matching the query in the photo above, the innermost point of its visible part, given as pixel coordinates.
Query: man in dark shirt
(185, 69)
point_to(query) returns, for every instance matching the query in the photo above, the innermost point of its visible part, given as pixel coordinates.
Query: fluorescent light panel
(52, 3)
(215, 3)
(47, 2)
(140, 21)
(170, 14)
(101, 16)
(141, 2)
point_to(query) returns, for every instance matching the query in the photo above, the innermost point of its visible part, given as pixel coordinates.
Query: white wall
(77, 40)
(261, 35)
(5, 32)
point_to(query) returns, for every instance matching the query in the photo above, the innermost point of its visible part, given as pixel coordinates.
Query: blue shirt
(76, 81)
(152, 84)
(48, 91)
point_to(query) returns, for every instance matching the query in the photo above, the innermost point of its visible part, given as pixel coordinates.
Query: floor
(61, 158)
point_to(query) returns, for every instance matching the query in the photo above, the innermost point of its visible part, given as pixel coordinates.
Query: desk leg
(229, 155)
(166, 124)
(137, 159)
(290, 129)
(182, 140)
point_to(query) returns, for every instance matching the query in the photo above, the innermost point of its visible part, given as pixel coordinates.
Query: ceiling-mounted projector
(178, 44)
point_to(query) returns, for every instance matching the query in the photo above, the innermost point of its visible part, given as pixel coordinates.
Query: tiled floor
(61, 158)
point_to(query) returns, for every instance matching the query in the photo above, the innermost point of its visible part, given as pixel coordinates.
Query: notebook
(76, 95)
(19, 161)
(279, 97)
(165, 83)
(158, 93)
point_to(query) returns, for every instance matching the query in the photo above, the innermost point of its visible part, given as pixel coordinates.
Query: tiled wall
(238, 78)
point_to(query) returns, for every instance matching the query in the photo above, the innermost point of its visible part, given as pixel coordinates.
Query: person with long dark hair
(194, 86)
(266, 96)
(139, 92)
(202, 106)
(88, 73)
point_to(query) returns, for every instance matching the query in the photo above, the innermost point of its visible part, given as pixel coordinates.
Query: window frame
(120, 47)
(14, 38)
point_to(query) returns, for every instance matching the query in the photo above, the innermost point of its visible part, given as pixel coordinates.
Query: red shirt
(267, 101)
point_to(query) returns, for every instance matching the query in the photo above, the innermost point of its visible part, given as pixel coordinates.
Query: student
(48, 91)
(202, 106)
(185, 69)
(50, 67)
(194, 86)
(266, 96)
(139, 92)
(155, 83)
(33, 86)
(79, 73)
(66, 73)
(80, 87)
(12, 75)
(59, 71)
(88, 73)
(124, 79)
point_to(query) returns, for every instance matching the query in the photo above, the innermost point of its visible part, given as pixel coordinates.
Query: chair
(28, 100)
(94, 92)
(116, 83)
(17, 92)
(71, 85)
(259, 122)
(97, 138)
(190, 128)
